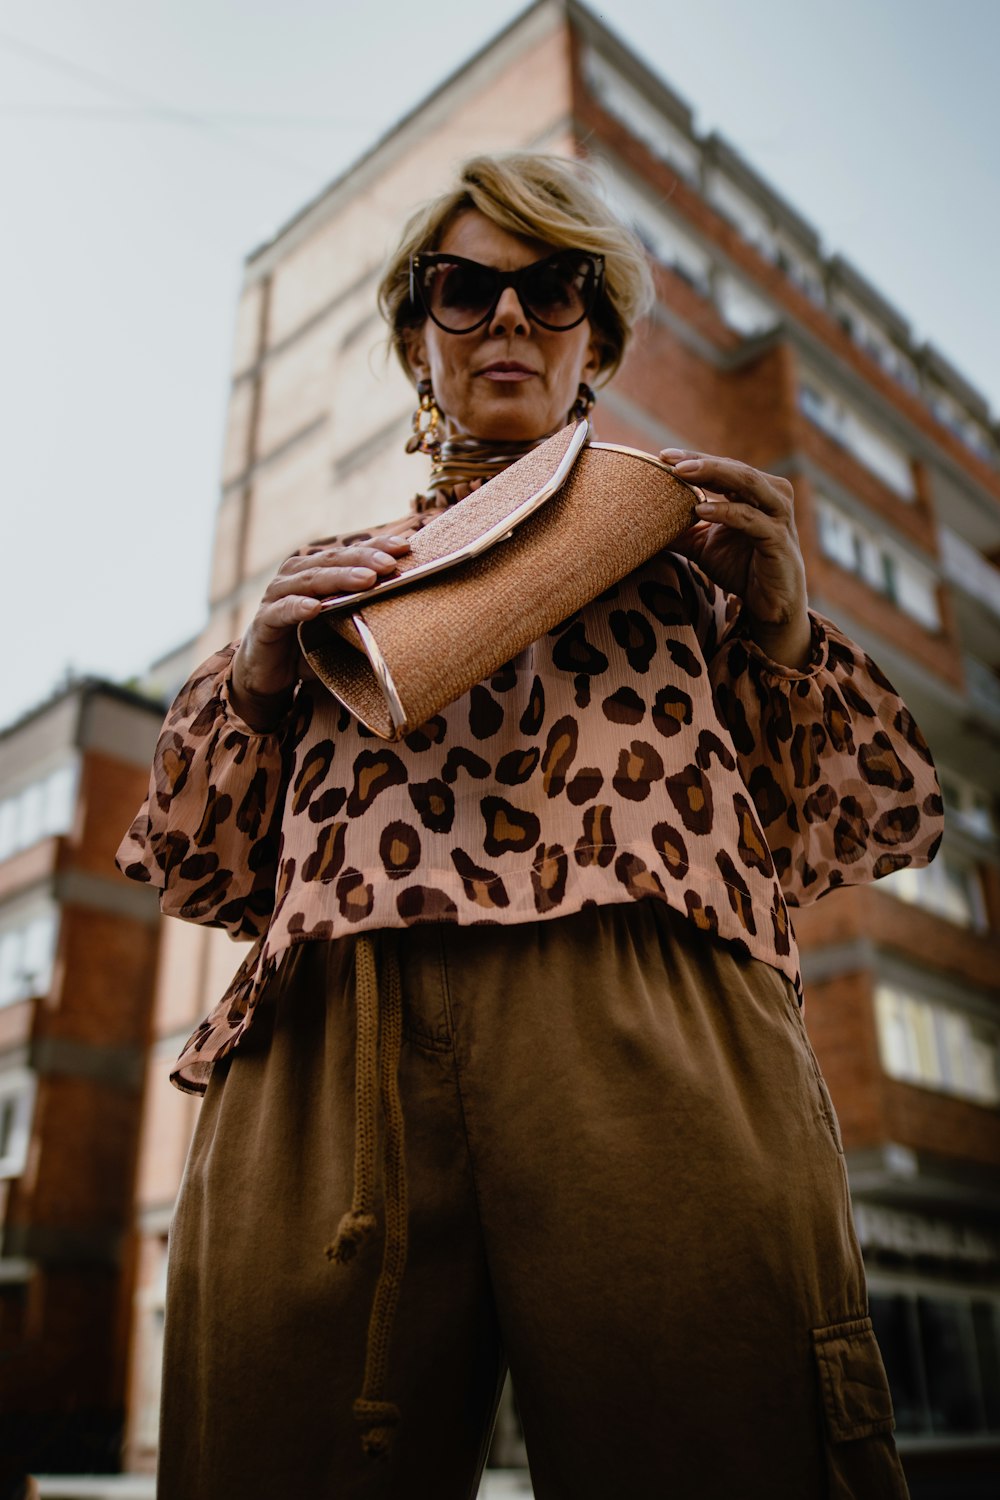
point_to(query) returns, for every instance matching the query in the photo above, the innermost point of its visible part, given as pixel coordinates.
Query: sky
(146, 149)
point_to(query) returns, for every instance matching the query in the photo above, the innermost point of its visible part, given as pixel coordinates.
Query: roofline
(83, 688)
(721, 153)
(716, 151)
(405, 121)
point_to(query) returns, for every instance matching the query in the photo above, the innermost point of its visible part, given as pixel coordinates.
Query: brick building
(78, 950)
(765, 347)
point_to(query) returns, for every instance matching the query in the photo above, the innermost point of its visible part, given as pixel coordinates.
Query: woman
(622, 1172)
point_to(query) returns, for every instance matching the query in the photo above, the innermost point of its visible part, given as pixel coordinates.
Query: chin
(513, 426)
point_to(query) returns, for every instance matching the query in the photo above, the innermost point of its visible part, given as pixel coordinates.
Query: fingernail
(672, 452)
(362, 575)
(400, 541)
(383, 557)
(689, 465)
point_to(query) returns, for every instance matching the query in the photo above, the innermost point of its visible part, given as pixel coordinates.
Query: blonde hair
(539, 197)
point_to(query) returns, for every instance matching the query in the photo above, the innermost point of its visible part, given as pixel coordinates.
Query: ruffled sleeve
(840, 774)
(207, 835)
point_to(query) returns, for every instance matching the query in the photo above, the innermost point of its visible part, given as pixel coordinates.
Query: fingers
(377, 556)
(745, 518)
(736, 481)
(334, 570)
(275, 618)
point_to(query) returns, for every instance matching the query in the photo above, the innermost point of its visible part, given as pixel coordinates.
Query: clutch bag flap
(575, 520)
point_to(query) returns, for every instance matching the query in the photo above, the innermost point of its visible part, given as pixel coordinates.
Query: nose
(508, 315)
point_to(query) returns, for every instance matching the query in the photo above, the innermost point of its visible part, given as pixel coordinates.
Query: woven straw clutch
(493, 573)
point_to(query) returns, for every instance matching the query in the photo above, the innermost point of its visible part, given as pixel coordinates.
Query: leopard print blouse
(645, 749)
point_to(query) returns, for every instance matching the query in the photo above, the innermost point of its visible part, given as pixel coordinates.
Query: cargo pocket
(861, 1458)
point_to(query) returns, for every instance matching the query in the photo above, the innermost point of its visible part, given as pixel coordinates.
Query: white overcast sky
(146, 147)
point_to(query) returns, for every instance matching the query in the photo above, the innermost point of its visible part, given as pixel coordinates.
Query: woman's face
(509, 379)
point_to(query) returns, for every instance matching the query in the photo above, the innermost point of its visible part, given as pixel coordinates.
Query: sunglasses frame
(504, 279)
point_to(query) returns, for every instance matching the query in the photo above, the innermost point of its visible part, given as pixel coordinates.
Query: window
(911, 587)
(968, 805)
(17, 1097)
(942, 1357)
(982, 683)
(60, 796)
(801, 270)
(742, 307)
(752, 221)
(27, 950)
(938, 1046)
(950, 887)
(859, 436)
(42, 808)
(947, 1337)
(640, 117)
(8, 826)
(959, 422)
(966, 567)
(31, 824)
(873, 339)
(665, 240)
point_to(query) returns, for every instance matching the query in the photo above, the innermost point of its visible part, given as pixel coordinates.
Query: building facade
(78, 950)
(762, 346)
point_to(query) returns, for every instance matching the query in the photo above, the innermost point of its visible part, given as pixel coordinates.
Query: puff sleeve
(208, 833)
(839, 772)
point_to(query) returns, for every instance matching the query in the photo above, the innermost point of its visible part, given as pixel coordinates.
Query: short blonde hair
(540, 197)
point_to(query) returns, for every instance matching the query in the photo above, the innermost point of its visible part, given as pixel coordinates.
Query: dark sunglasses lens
(458, 296)
(559, 291)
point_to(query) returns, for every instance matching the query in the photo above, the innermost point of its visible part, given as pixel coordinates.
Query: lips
(507, 369)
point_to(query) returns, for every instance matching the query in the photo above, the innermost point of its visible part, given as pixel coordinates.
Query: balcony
(983, 687)
(969, 570)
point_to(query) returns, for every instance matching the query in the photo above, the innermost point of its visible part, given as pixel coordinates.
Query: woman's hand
(745, 541)
(266, 667)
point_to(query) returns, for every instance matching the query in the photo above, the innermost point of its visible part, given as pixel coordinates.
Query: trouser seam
(462, 1103)
(463, 1111)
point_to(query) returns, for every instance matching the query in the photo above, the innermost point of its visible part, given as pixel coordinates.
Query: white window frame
(752, 222)
(948, 886)
(41, 808)
(742, 307)
(888, 569)
(640, 117)
(952, 414)
(926, 1043)
(17, 1086)
(16, 934)
(969, 805)
(801, 270)
(870, 336)
(662, 236)
(846, 425)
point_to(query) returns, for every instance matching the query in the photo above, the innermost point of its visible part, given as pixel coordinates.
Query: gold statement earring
(584, 404)
(427, 434)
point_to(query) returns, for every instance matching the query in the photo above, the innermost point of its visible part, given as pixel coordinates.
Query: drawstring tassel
(353, 1229)
(376, 1416)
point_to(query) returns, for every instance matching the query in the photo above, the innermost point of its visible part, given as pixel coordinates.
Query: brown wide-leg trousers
(624, 1180)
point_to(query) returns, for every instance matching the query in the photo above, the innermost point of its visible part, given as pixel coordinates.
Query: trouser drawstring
(377, 1072)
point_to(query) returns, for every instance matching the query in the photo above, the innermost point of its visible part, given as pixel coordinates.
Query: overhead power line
(129, 113)
(146, 104)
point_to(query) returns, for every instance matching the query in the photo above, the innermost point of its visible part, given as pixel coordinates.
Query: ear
(415, 347)
(594, 361)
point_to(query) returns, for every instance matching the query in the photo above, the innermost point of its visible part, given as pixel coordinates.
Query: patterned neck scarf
(460, 460)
